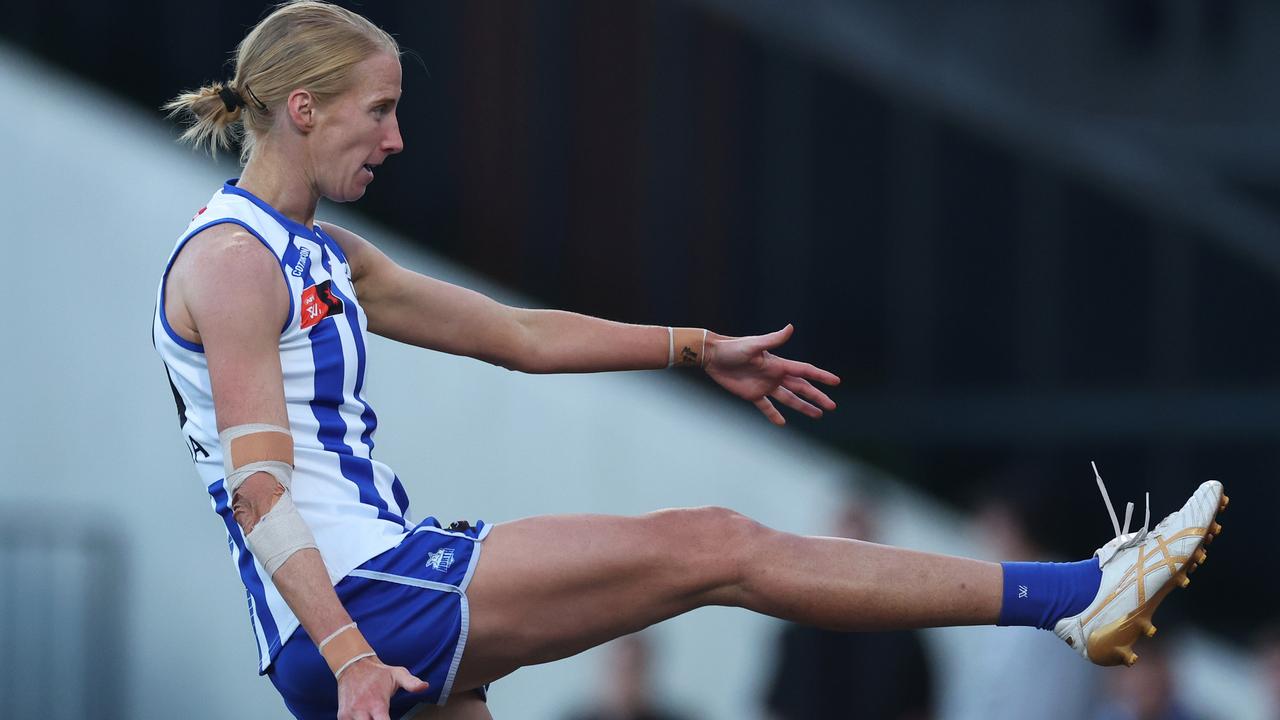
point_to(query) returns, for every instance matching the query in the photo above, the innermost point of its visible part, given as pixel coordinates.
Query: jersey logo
(297, 258)
(440, 560)
(318, 303)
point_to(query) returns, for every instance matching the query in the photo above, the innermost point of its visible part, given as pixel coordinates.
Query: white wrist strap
(345, 652)
(671, 346)
(351, 662)
(334, 634)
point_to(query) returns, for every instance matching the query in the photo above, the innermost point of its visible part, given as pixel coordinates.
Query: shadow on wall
(62, 616)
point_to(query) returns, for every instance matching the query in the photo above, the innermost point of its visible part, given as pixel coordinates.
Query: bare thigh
(549, 587)
(466, 706)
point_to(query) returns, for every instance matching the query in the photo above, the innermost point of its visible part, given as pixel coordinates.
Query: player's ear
(301, 105)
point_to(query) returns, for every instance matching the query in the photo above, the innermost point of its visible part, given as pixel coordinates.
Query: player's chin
(351, 193)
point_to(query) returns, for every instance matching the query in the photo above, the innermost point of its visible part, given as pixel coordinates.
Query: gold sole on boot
(1112, 644)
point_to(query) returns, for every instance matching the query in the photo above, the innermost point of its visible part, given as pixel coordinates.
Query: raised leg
(550, 587)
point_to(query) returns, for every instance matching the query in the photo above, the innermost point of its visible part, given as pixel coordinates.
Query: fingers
(793, 401)
(776, 338)
(408, 681)
(804, 389)
(368, 699)
(811, 372)
(763, 405)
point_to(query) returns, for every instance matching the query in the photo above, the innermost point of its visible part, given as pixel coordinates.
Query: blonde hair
(302, 44)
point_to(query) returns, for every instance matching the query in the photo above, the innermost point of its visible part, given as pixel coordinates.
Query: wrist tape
(686, 347)
(344, 647)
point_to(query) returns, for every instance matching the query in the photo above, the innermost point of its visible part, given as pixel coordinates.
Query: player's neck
(280, 185)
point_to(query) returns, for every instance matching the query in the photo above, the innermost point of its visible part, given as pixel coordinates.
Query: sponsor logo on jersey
(440, 560)
(297, 258)
(304, 259)
(318, 303)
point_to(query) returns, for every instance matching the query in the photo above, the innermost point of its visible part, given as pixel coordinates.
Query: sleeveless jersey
(354, 505)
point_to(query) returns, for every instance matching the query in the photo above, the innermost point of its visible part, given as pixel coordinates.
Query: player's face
(358, 130)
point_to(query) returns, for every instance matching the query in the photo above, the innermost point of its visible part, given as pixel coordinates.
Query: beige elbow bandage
(344, 647)
(687, 347)
(255, 448)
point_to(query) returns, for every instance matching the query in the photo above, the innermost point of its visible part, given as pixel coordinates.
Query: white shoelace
(1139, 536)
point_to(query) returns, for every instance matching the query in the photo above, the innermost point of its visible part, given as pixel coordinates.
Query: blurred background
(1026, 235)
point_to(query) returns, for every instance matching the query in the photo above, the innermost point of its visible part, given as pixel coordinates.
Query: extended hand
(365, 689)
(745, 367)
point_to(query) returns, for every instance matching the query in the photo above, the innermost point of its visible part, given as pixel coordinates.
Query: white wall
(92, 198)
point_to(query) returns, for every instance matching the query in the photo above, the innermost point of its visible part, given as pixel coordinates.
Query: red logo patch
(318, 303)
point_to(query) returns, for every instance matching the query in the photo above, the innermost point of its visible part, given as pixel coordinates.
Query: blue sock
(1041, 594)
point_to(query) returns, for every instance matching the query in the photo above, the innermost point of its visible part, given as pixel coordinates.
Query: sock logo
(1022, 591)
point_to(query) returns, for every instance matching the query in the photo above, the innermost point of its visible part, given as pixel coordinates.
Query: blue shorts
(410, 602)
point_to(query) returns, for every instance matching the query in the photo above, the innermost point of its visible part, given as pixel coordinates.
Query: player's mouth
(368, 167)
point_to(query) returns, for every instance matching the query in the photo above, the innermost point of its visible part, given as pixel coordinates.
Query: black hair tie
(231, 99)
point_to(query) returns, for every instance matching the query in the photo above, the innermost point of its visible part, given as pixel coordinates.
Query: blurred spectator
(1020, 673)
(1145, 691)
(825, 674)
(628, 691)
(1269, 669)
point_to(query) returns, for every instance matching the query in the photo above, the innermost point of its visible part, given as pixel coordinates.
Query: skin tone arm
(415, 309)
(236, 310)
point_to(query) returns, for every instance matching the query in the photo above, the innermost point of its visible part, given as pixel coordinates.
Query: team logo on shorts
(440, 560)
(318, 303)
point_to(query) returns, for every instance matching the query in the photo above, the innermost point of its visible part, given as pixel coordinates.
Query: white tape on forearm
(279, 534)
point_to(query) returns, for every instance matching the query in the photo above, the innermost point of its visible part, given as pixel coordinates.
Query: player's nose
(392, 143)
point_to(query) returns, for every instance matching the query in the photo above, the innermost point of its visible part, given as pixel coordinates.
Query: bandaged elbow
(258, 460)
(279, 534)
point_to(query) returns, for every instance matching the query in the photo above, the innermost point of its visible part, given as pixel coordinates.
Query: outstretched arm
(412, 308)
(236, 302)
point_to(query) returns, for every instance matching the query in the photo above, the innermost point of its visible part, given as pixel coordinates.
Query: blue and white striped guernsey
(354, 505)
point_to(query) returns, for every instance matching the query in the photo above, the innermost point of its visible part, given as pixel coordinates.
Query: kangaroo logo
(440, 560)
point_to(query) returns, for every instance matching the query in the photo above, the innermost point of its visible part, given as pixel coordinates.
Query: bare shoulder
(220, 265)
(226, 249)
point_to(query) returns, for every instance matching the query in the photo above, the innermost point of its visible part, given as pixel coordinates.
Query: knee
(724, 540)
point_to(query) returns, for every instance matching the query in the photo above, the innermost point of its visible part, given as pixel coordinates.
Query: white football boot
(1138, 571)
